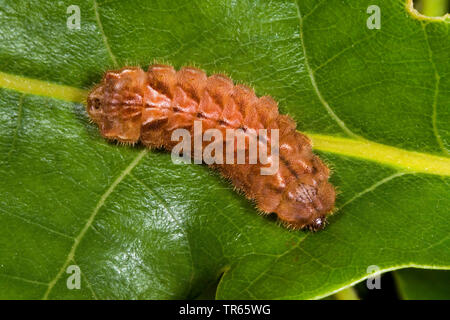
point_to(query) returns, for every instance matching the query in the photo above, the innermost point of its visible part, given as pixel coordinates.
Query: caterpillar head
(308, 206)
(115, 105)
(309, 199)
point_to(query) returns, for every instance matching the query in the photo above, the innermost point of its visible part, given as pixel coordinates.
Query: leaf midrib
(401, 159)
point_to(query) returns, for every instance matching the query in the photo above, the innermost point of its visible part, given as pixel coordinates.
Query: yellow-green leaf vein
(404, 160)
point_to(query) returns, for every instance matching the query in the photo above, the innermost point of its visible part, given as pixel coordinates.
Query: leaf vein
(436, 91)
(100, 203)
(172, 214)
(36, 224)
(102, 32)
(330, 111)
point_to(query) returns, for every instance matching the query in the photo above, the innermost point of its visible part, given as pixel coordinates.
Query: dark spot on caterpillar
(221, 122)
(192, 94)
(131, 105)
(288, 166)
(217, 98)
(163, 88)
(96, 103)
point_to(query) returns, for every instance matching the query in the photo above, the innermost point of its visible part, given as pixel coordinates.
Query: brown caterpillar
(131, 105)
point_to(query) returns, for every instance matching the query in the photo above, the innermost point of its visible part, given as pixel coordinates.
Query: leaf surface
(375, 102)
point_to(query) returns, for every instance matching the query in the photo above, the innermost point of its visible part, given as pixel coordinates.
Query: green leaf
(416, 284)
(375, 102)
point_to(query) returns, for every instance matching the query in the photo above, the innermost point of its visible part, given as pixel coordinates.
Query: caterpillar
(131, 105)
